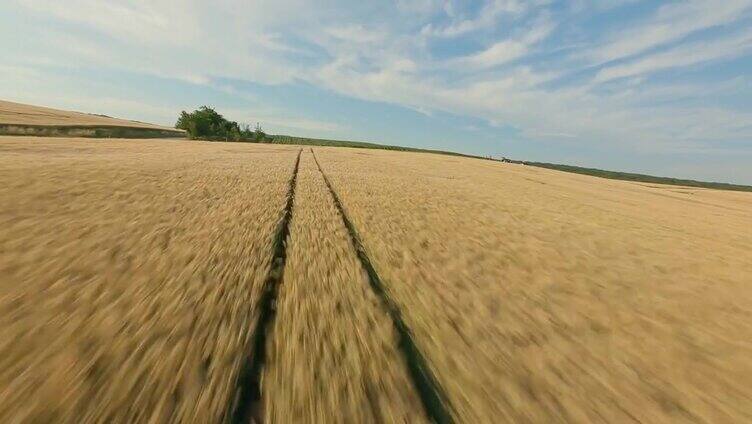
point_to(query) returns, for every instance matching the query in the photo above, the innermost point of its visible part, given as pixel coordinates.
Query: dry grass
(540, 296)
(21, 114)
(129, 272)
(333, 354)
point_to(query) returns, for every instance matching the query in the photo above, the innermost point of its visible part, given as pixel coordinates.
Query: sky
(658, 87)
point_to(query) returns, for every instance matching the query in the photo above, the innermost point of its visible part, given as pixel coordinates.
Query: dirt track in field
(132, 276)
(331, 336)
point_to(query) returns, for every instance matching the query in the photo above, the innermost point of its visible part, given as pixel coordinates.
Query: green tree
(203, 122)
(258, 133)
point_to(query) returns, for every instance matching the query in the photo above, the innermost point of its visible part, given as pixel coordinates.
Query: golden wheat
(333, 356)
(550, 297)
(129, 272)
(22, 114)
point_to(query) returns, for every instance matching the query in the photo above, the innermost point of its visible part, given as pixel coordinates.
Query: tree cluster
(206, 123)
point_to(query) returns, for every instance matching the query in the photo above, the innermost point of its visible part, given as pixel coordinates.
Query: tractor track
(431, 394)
(245, 408)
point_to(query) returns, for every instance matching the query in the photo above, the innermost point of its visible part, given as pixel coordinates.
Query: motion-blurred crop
(543, 296)
(129, 272)
(132, 273)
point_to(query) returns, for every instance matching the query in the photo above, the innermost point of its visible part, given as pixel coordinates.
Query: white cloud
(277, 121)
(356, 34)
(672, 22)
(372, 52)
(499, 53)
(420, 7)
(487, 17)
(543, 134)
(572, 113)
(684, 55)
(189, 39)
(508, 50)
(142, 21)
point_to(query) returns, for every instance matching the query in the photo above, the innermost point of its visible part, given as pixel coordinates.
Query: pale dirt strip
(129, 275)
(539, 296)
(332, 355)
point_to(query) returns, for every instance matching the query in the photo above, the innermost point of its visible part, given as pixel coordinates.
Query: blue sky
(656, 87)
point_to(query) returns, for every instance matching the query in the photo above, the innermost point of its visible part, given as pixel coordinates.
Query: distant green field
(615, 175)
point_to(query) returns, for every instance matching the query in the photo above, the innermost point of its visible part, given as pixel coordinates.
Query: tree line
(205, 123)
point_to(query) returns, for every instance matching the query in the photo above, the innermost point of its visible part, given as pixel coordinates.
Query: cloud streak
(582, 72)
(681, 56)
(671, 22)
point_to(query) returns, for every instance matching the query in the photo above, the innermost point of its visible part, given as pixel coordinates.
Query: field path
(332, 355)
(245, 407)
(431, 394)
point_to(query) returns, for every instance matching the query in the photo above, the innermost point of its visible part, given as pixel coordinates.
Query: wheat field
(22, 114)
(131, 274)
(541, 296)
(331, 337)
(128, 274)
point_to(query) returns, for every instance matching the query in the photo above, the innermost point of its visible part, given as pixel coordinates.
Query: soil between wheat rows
(177, 281)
